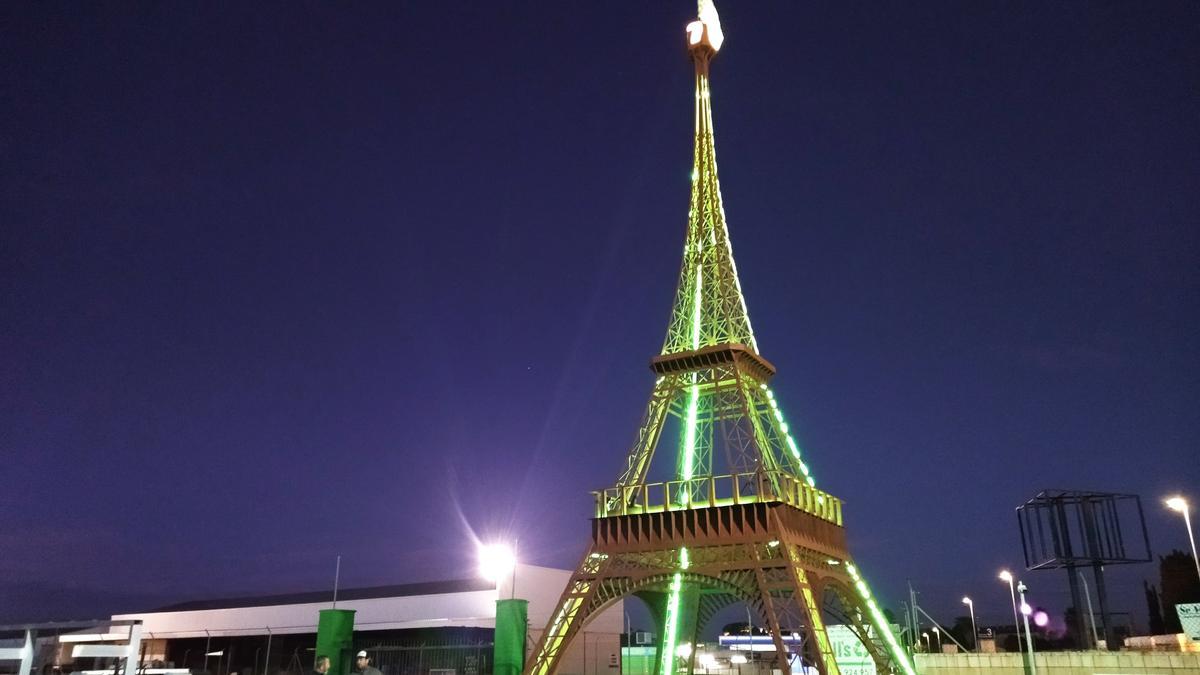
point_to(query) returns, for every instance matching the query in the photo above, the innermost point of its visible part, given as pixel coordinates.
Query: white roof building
(379, 610)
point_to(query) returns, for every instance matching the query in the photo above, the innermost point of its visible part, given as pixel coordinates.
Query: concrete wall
(1061, 663)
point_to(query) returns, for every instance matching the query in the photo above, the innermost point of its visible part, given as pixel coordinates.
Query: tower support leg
(569, 615)
(810, 605)
(656, 602)
(768, 609)
(688, 622)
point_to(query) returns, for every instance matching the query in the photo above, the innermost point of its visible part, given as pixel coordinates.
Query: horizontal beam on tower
(707, 357)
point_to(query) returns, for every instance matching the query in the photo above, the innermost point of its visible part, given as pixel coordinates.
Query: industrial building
(442, 627)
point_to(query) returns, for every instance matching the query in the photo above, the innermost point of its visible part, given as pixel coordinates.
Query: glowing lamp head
(684, 650)
(705, 31)
(967, 601)
(1040, 618)
(1177, 503)
(737, 659)
(1026, 609)
(496, 561)
(1005, 575)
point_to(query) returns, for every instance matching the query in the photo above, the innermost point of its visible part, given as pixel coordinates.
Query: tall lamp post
(926, 636)
(938, 634)
(974, 631)
(497, 563)
(1180, 504)
(1005, 575)
(1026, 610)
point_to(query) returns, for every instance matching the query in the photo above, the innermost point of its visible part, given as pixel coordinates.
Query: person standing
(321, 665)
(362, 665)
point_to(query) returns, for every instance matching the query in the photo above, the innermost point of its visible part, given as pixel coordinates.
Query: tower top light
(705, 32)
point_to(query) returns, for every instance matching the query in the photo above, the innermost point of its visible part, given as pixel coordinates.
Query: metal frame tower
(760, 532)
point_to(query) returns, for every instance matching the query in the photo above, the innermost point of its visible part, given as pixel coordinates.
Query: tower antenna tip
(706, 29)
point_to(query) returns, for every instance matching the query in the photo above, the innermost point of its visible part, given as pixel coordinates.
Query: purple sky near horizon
(280, 281)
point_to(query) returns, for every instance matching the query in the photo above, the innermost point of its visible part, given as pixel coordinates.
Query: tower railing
(712, 491)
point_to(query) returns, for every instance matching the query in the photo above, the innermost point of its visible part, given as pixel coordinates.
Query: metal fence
(461, 653)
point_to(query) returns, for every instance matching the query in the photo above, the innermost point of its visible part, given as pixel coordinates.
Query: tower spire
(709, 306)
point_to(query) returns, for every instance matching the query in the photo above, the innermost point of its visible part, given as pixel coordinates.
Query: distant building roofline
(344, 594)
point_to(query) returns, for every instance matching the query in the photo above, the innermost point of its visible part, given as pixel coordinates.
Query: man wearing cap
(362, 665)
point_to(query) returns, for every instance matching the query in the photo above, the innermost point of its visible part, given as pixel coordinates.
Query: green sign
(848, 651)
(1189, 618)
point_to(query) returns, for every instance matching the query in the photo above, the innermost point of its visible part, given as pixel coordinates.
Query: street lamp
(938, 634)
(497, 561)
(1005, 575)
(926, 636)
(974, 631)
(1180, 504)
(1026, 610)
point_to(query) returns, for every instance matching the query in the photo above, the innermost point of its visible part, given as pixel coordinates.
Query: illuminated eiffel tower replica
(761, 533)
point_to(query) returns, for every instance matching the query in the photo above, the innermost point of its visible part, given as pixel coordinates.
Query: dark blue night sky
(280, 281)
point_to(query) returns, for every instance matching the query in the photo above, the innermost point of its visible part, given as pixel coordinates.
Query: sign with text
(1189, 618)
(851, 656)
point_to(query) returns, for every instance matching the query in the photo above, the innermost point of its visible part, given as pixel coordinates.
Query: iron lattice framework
(759, 533)
(1072, 529)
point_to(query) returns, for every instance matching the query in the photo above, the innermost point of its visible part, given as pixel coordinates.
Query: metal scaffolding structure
(1076, 529)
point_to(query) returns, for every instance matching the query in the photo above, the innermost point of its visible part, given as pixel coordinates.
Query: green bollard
(335, 635)
(508, 656)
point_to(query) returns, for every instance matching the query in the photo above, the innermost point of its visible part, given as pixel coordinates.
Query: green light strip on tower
(671, 626)
(791, 442)
(880, 621)
(693, 409)
(668, 654)
(689, 438)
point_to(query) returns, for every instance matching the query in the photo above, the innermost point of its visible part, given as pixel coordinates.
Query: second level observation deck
(712, 491)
